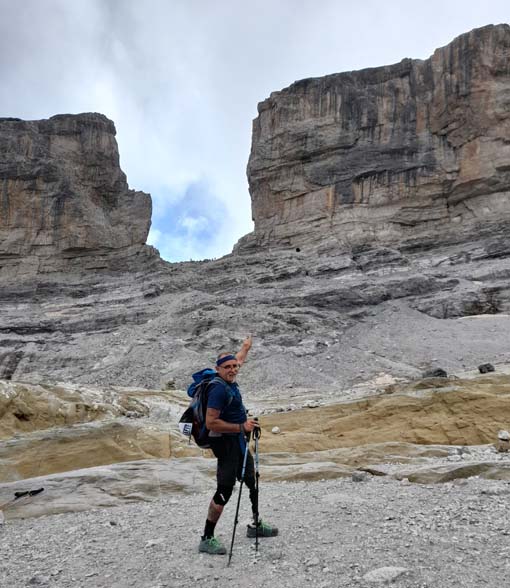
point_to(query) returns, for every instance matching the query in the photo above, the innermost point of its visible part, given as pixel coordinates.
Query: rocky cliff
(64, 201)
(327, 319)
(409, 153)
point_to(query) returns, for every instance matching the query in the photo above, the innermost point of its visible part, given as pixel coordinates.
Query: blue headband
(224, 359)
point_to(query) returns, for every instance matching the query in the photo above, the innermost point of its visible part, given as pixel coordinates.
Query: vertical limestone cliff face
(64, 201)
(404, 153)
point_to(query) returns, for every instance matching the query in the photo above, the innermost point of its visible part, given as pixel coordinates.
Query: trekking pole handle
(256, 430)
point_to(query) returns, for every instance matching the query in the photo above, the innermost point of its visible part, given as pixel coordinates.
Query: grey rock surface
(320, 327)
(333, 533)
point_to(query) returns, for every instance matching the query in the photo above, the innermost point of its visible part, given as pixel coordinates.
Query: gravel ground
(333, 533)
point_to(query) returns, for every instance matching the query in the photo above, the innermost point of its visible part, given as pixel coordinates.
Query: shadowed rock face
(408, 152)
(64, 200)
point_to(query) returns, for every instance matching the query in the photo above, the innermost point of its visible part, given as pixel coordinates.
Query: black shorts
(227, 450)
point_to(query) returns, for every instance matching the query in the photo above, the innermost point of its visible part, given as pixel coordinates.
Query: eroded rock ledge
(411, 152)
(64, 201)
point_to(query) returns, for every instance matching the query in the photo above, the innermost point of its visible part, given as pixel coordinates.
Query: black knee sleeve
(223, 494)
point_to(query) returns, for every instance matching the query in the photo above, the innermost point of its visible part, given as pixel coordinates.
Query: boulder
(503, 444)
(485, 368)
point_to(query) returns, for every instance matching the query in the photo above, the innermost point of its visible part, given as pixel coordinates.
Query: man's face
(228, 370)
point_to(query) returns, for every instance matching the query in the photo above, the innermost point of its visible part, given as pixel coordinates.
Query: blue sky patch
(191, 226)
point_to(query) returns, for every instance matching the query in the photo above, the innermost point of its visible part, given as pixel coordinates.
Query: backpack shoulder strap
(218, 380)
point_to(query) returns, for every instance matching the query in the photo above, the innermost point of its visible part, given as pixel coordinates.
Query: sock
(209, 529)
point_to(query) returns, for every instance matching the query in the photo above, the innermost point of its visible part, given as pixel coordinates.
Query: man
(228, 425)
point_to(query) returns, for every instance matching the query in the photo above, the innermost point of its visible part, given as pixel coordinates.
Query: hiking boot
(211, 545)
(264, 530)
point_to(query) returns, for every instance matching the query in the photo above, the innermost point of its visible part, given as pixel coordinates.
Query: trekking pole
(256, 436)
(236, 520)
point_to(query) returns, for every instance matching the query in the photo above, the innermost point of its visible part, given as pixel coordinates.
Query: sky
(181, 79)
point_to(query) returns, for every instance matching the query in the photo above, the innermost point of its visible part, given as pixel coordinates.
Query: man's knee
(222, 495)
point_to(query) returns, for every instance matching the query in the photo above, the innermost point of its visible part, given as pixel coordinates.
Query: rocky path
(334, 533)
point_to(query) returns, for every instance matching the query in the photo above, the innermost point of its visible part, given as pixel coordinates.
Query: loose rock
(485, 368)
(384, 575)
(435, 373)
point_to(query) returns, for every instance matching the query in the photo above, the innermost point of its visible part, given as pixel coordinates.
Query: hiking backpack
(192, 421)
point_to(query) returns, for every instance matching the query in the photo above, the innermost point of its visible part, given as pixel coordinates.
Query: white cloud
(193, 224)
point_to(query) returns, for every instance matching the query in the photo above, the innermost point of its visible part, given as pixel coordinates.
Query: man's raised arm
(243, 352)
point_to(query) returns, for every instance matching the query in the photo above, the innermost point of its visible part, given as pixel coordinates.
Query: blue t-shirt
(219, 396)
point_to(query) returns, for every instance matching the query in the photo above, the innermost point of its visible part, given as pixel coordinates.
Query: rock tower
(407, 153)
(64, 201)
